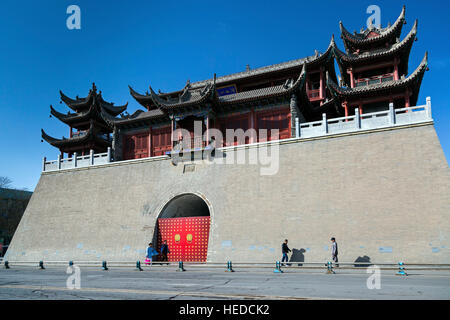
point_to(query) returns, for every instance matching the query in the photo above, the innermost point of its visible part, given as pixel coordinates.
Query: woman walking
(150, 253)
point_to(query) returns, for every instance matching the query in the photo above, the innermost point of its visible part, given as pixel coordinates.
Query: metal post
(429, 108)
(297, 128)
(138, 265)
(104, 266)
(43, 163)
(324, 123)
(108, 157)
(91, 157)
(59, 162)
(330, 268)
(180, 266)
(229, 267)
(74, 158)
(41, 265)
(391, 114)
(357, 119)
(278, 267)
(401, 269)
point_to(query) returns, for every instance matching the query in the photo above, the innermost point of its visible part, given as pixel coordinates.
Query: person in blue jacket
(150, 253)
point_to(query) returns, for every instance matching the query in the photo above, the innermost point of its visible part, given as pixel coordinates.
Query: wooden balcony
(374, 80)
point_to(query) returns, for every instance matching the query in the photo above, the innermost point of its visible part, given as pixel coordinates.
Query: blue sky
(164, 43)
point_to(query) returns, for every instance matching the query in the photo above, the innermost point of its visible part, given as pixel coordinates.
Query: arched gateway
(184, 222)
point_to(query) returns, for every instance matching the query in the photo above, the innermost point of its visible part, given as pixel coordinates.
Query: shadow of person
(298, 256)
(365, 260)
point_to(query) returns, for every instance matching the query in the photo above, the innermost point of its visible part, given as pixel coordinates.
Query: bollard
(70, 263)
(138, 265)
(229, 267)
(180, 266)
(104, 266)
(41, 265)
(6, 264)
(278, 267)
(401, 269)
(330, 268)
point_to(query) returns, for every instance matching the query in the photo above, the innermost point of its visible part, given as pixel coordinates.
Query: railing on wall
(367, 121)
(77, 161)
(381, 119)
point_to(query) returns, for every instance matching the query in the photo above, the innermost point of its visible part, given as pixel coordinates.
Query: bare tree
(5, 182)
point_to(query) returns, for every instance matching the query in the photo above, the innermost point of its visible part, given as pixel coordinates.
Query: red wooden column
(396, 77)
(345, 105)
(352, 79)
(71, 132)
(321, 83)
(360, 106)
(407, 103)
(253, 137)
(207, 129)
(150, 151)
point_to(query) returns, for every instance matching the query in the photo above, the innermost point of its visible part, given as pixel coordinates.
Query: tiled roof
(358, 40)
(348, 92)
(405, 44)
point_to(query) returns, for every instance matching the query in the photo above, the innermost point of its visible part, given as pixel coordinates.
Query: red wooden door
(161, 141)
(187, 238)
(234, 123)
(135, 146)
(280, 120)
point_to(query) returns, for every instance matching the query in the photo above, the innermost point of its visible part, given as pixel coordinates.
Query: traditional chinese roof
(87, 109)
(413, 81)
(198, 92)
(84, 104)
(90, 135)
(87, 119)
(372, 37)
(400, 49)
(286, 89)
(137, 118)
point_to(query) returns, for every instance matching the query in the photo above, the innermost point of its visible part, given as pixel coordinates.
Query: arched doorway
(184, 223)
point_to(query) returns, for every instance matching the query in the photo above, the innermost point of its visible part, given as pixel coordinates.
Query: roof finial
(247, 67)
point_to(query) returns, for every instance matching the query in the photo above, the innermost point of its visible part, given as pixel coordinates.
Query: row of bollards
(401, 267)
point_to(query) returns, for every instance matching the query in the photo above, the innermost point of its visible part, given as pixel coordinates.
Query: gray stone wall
(383, 194)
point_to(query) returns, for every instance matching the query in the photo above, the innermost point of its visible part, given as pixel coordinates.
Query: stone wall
(384, 194)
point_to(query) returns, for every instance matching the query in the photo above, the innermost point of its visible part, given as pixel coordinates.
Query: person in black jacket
(285, 250)
(164, 251)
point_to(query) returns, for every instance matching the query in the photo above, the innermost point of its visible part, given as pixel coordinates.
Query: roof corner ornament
(247, 67)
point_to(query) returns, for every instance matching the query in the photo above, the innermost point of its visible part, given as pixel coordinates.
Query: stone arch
(187, 205)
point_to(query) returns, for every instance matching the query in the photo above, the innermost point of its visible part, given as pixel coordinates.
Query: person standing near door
(165, 251)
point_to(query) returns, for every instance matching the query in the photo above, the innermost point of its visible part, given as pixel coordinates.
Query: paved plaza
(166, 283)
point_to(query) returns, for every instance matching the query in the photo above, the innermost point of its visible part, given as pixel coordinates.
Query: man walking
(165, 251)
(285, 250)
(334, 251)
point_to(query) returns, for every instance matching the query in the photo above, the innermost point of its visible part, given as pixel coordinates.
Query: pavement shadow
(298, 256)
(364, 259)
